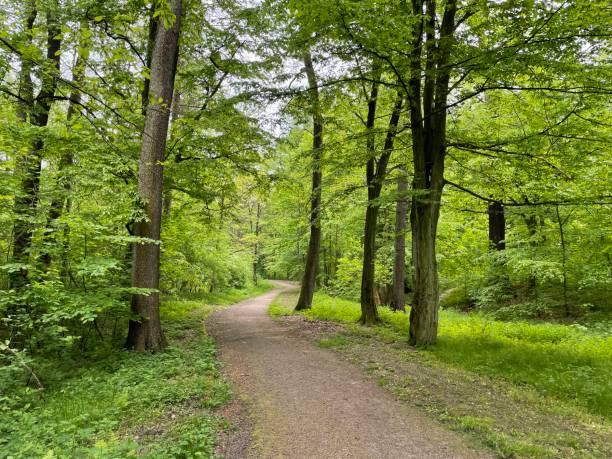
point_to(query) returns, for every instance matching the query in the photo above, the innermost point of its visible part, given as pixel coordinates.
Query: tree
(36, 111)
(428, 109)
(312, 257)
(61, 200)
(145, 332)
(398, 295)
(376, 171)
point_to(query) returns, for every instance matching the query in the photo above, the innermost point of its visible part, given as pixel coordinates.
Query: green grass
(561, 361)
(124, 404)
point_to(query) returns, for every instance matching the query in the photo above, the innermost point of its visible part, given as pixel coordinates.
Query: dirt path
(307, 402)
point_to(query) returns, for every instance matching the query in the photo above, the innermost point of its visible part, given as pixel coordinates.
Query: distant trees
(35, 111)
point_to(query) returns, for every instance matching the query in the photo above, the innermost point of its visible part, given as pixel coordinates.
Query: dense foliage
(122, 404)
(528, 131)
(68, 196)
(402, 154)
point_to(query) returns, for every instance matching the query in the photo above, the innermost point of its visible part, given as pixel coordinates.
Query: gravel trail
(307, 402)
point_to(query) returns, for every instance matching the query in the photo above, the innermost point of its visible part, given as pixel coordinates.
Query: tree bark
(145, 333)
(256, 245)
(153, 26)
(497, 225)
(312, 258)
(428, 126)
(398, 296)
(376, 172)
(369, 313)
(561, 224)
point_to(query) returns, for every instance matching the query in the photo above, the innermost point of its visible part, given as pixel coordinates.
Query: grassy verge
(121, 404)
(522, 389)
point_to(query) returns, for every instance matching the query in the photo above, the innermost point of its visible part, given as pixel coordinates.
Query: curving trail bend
(307, 402)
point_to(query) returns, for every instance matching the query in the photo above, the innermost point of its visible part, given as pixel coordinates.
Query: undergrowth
(113, 403)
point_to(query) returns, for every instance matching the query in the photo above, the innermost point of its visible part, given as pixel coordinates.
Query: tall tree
(37, 111)
(145, 332)
(428, 108)
(61, 201)
(376, 171)
(314, 245)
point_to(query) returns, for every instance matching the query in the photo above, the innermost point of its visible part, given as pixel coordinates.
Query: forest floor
(306, 401)
(111, 403)
(511, 418)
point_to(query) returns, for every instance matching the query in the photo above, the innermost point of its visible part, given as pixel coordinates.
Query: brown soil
(307, 402)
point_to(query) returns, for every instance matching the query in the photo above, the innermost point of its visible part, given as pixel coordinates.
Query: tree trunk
(312, 258)
(428, 125)
(175, 115)
(424, 313)
(398, 296)
(369, 312)
(153, 25)
(145, 333)
(256, 246)
(497, 225)
(375, 175)
(29, 166)
(25, 167)
(532, 228)
(561, 223)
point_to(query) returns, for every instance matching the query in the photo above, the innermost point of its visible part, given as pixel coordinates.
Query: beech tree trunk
(561, 222)
(256, 246)
(145, 332)
(29, 165)
(497, 225)
(369, 312)
(424, 313)
(314, 245)
(398, 296)
(376, 172)
(153, 26)
(428, 106)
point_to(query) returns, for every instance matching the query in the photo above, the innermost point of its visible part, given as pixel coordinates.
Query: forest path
(307, 402)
